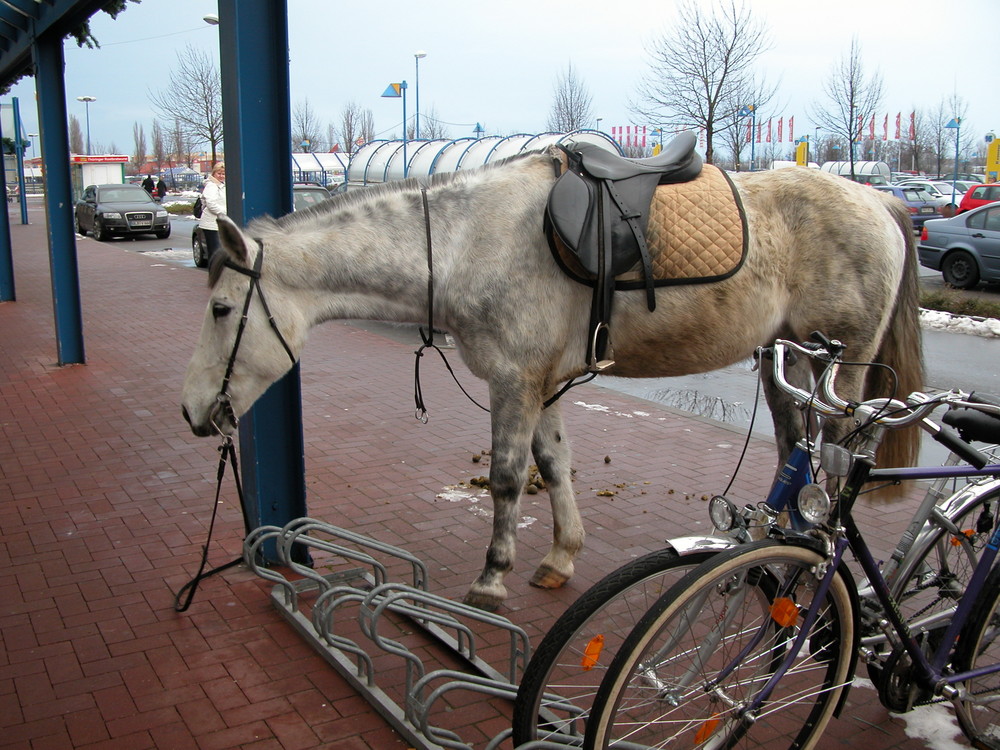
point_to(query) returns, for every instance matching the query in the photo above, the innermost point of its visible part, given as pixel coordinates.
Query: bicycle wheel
(688, 674)
(978, 710)
(559, 683)
(937, 571)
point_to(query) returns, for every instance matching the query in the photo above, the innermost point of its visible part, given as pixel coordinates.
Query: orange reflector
(967, 533)
(592, 653)
(784, 612)
(706, 730)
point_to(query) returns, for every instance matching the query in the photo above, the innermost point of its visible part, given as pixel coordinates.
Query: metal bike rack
(370, 629)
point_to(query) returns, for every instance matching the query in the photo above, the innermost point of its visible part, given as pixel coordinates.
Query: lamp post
(599, 123)
(86, 101)
(396, 91)
(32, 136)
(956, 124)
(750, 110)
(416, 89)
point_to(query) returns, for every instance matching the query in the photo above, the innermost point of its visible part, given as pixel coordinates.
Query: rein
(227, 451)
(420, 412)
(421, 409)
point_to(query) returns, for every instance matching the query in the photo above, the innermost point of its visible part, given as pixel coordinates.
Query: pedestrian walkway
(105, 500)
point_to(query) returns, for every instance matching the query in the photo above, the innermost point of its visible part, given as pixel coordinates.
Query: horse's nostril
(187, 417)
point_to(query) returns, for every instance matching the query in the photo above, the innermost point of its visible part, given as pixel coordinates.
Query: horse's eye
(220, 310)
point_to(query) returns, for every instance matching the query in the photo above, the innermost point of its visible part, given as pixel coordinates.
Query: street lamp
(86, 101)
(416, 90)
(397, 91)
(211, 19)
(32, 136)
(956, 124)
(599, 123)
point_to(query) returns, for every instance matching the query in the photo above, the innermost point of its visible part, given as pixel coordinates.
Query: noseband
(254, 275)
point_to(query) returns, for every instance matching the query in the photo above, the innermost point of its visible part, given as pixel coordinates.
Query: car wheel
(100, 234)
(79, 229)
(199, 249)
(960, 270)
(162, 235)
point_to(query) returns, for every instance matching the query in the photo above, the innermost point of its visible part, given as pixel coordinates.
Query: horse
(823, 253)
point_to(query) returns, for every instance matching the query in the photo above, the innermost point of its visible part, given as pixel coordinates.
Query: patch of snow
(944, 321)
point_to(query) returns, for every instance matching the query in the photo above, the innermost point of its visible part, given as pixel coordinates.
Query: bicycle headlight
(722, 513)
(814, 504)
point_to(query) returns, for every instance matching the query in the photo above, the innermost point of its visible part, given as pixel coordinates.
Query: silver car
(965, 248)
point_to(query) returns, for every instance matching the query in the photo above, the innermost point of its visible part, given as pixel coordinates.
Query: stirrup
(596, 365)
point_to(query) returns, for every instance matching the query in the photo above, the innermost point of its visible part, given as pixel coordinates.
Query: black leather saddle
(599, 210)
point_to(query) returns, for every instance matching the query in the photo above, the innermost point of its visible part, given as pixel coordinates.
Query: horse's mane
(361, 196)
(268, 225)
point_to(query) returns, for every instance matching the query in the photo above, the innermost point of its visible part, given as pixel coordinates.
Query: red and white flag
(791, 134)
(885, 128)
(913, 126)
(899, 120)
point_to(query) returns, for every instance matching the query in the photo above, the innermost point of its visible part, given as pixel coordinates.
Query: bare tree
(571, 103)
(139, 143)
(180, 146)
(305, 127)
(853, 98)
(159, 146)
(699, 71)
(357, 126)
(76, 144)
(193, 98)
(431, 126)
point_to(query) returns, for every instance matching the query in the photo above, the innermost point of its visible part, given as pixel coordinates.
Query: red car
(979, 195)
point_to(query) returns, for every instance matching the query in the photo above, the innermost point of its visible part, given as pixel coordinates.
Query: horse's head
(251, 335)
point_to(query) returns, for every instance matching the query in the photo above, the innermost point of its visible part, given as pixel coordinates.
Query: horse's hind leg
(787, 417)
(552, 456)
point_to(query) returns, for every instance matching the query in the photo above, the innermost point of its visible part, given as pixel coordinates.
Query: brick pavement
(105, 499)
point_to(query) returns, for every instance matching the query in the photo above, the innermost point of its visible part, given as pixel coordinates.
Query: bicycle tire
(559, 683)
(933, 576)
(649, 700)
(978, 709)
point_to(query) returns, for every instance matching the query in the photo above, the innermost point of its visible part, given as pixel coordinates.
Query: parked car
(979, 195)
(119, 210)
(936, 188)
(304, 195)
(965, 248)
(921, 205)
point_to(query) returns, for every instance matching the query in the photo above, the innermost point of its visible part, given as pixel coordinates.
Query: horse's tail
(902, 350)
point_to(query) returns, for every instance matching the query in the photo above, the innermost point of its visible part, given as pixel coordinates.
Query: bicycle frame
(929, 670)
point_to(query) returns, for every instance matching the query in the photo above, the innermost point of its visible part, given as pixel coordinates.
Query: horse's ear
(233, 240)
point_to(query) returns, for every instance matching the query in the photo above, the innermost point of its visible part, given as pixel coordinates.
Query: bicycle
(757, 646)
(559, 684)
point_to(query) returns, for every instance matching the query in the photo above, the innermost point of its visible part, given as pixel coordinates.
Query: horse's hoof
(547, 578)
(485, 602)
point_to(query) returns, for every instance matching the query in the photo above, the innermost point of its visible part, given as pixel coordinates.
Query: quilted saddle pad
(697, 233)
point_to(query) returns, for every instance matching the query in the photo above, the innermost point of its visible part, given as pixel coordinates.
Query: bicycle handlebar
(890, 413)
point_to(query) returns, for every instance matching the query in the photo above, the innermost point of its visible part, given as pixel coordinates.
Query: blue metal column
(6, 251)
(257, 122)
(52, 118)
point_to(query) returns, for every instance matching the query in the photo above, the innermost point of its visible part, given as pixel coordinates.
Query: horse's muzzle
(217, 423)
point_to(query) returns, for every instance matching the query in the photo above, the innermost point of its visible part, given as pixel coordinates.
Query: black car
(304, 196)
(120, 210)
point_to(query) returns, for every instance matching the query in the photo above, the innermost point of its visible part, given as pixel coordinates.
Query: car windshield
(123, 194)
(306, 198)
(916, 194)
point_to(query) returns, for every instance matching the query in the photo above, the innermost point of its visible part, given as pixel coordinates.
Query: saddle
(598, 210)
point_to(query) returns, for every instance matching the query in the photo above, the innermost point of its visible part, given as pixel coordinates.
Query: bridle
(223, 396)
(227, 452)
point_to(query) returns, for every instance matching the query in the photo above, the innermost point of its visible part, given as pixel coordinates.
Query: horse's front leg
(552, 456)
(515, 410)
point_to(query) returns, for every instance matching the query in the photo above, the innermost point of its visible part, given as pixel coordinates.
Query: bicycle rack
(391, 622)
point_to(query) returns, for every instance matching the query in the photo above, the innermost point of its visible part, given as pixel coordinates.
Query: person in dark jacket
(148, 185)
(161, 189)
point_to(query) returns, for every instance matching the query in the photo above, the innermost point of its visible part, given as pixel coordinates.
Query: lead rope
(227, 452)
(420, 413)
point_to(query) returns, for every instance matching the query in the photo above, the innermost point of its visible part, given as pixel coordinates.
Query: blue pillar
(6, 251)
(253, 38)
(52, 117)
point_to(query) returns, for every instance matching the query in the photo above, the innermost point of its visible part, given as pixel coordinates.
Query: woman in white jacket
(213, 201)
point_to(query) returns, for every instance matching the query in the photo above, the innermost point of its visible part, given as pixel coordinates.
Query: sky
(497, 64)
